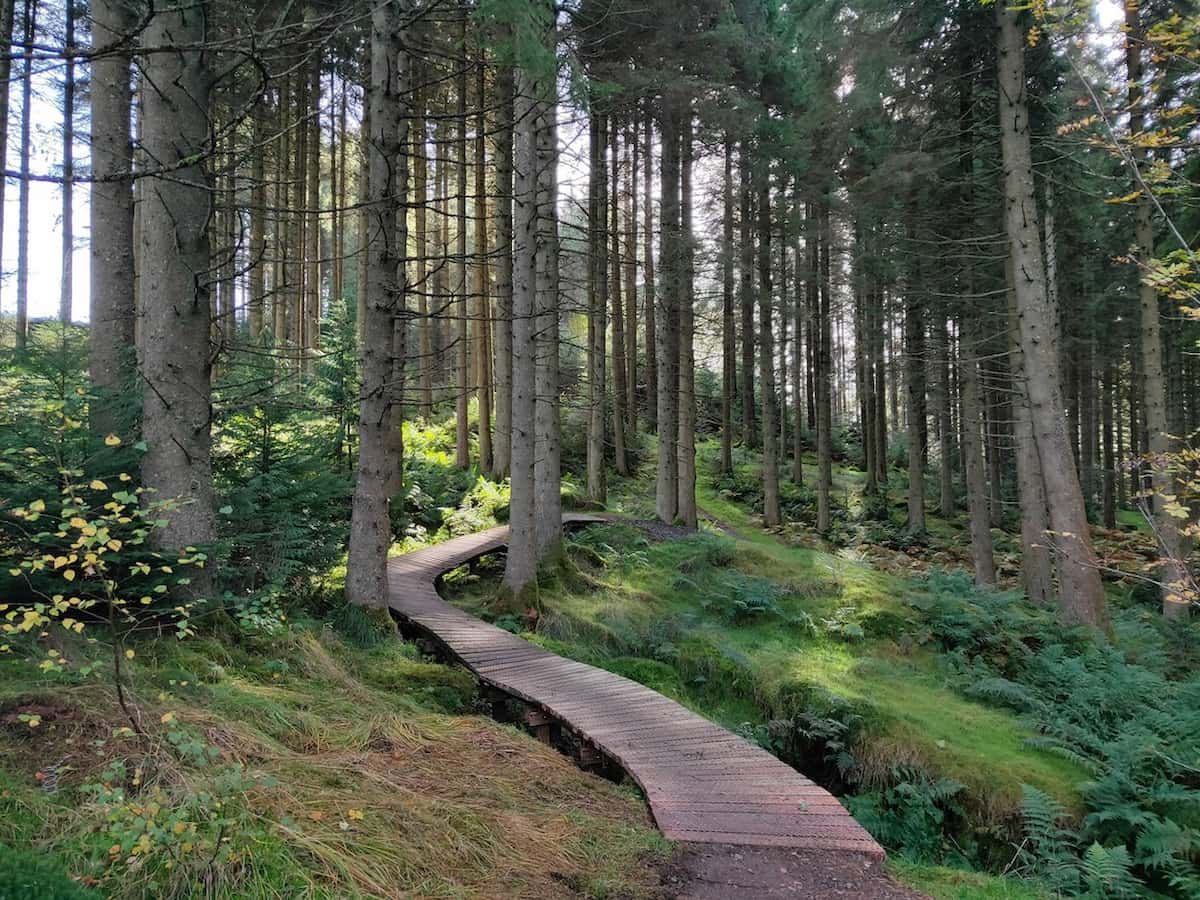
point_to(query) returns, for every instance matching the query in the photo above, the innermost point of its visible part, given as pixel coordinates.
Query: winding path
(704, 784)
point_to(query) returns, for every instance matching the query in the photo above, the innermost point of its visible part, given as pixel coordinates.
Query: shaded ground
(722, 872)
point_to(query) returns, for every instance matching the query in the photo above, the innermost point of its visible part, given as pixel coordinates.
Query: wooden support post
(541, 722)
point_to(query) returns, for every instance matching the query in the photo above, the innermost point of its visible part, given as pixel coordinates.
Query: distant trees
(799, 196)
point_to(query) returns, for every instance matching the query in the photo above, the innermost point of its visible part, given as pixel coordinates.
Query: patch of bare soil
(722, 872)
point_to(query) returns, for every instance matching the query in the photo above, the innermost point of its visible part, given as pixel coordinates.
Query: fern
(1108, 873)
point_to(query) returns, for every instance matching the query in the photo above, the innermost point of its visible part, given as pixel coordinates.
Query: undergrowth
(300, 765)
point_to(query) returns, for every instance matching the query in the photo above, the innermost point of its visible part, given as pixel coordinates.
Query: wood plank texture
(704, 784)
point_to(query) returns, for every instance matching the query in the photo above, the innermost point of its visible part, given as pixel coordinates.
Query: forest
(825, 372)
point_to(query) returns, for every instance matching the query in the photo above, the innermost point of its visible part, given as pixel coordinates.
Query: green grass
(364, 774)
(960, 884)
(657, 613)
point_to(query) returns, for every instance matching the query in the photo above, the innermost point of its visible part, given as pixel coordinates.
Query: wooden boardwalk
(704, 784)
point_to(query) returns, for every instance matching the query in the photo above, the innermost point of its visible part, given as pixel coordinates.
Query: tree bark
(111, 306)
(483, 317)
(728, 321)
(387, 185)
(597, 306)
(1037, 564)
(686, 511)
(1174, 573)
(766, 351)
(67, 282)
(462, 355)
(175, 258)
(824, 387)
(747, 298)
(7, 23)
(618, 311)
(667, 483)
(1081, 594)
(29, 23)
(505, 315)
(632, 148)
(649, 301)
(425, 357)
(258, 222)
(914, 379)
(520, 568)
(548, 508)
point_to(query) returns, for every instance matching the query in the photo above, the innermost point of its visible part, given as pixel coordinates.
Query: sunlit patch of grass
(942, 883)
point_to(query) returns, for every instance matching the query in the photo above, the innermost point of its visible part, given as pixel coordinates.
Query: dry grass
(372, 792)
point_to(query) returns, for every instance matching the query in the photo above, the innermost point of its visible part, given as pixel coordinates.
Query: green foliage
(29, 875)
(1111, 708)
(911, 816)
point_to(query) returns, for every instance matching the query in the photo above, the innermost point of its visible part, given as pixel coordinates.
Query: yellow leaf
(98, 485)
(180, 827)
(355, 814)
(167, 718)
(129, 654)
(78, 522)
(124, 476)
(69, 574)
(112, 441)
(59, 562)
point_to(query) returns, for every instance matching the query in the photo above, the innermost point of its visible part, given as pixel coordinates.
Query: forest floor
(325, 758)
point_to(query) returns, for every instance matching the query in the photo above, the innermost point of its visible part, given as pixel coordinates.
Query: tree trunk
(505, 315)
(766, 351)
(798, 363)
(686, 511)
(618, 311)
(746, 246)
(7, 22)
(483, 317)
(979, 522)
(728, 323)
(258, 222)
(1081, 594)
(824, 389)
(943, 399)
(632, 148)
(29, 23)
(462, 311)
(548, 508)
(1174, 574)
(520, 568)
(66, 284)
(1037, 564)
(176, 403)
(649, 301)
(425, 357)
(1109, 499)
(111, 308)
(387, 185)
(914, 379)
(667, 484)
(597, 306)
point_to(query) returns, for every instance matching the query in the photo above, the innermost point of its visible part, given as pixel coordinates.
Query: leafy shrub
(911, 816)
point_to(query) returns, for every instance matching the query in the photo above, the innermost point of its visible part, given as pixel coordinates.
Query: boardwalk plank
(704, 784)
